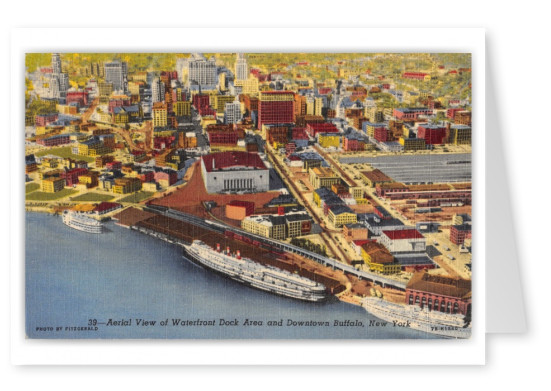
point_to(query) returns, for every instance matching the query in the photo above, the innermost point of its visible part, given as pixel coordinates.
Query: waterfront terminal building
(234, 171)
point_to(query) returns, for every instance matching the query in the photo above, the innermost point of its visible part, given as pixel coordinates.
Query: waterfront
(74, 277)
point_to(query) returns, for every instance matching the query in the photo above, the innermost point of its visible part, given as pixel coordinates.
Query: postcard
(248, 195)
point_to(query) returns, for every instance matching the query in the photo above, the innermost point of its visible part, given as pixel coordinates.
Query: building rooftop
(102, 206)
(403, 234)
(325, 172)
(376, 176)
(413, 109)
(463, 227)
(233, 159)
(340, 209)
(440, 285)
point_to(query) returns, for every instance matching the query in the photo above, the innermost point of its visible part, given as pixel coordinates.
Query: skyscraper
(117, 73)
(241, 68)
(58, 81)
(232, 112)
(157, 90)
(56, 63)
(202, 72)
(276, 107)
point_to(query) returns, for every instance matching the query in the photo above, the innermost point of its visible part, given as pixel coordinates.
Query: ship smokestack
(218, 247)
(238, 254)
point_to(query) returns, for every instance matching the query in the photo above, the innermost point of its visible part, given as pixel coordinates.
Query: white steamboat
(247, 271)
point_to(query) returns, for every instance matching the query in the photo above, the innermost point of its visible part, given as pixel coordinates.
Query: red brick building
(44, 119)
(200, 101)
(54, 140)
(432, 134)
(224, 134)
(458, 233)
(276, 107)
(439, 293)
(79, 97)
(380, 134)
(411, 114)
(71, 176)
(315, 128)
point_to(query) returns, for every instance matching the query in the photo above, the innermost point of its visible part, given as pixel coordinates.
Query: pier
(270, 243)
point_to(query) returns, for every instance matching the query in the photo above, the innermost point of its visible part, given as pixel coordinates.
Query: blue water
(74, 279)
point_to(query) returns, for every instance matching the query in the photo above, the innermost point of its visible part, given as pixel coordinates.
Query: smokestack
(238, 254)
(218, 247)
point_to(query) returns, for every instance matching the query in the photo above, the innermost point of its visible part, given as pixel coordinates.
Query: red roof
(361, 242)
(403, 234)
(222, 160)
(414, 74)
(106, 206)
(277, 92)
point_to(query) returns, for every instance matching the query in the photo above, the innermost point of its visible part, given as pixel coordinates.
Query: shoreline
(345, 296)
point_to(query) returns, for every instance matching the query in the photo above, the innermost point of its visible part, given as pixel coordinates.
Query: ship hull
(417, 320)
(251, 282)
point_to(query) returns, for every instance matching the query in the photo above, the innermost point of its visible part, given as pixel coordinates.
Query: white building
(202, 72)
(157, 90)
(116, 72)
(56, 63)
(232, 112)
(404, 240)
(241, 68)
(234, 171)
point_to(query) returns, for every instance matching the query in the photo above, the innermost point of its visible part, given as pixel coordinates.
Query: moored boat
(81, 222)
(433, 322)
(249, 272)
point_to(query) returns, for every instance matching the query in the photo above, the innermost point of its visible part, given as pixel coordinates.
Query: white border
(259, 352)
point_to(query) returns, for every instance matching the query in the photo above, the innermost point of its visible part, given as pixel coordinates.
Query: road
(327, 239)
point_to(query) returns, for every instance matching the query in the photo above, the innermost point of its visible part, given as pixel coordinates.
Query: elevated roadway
(326, 261)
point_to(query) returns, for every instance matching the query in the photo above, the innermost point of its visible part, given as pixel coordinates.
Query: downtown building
(157, 90)
(202, 72)
(241, 68)
(276, 107)
(116, 73)
(234, 171)
(232, 112)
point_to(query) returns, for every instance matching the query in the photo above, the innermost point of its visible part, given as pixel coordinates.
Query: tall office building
(157, 90)
(232, 112)
(56, 63)
(276, 107)
(53, 86)
(116, 72)
(58, 81)
(241, 68)
(202, 72)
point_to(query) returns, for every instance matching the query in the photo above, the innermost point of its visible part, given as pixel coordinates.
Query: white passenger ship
(259, 276)
(81, 222)
(434, 322)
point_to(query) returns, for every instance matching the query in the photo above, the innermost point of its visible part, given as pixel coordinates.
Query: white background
(518, 54)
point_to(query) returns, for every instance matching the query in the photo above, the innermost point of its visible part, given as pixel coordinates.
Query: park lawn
(93, 197)
(29, 187)
(137, 197)
(64, 152)
(43, 196)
